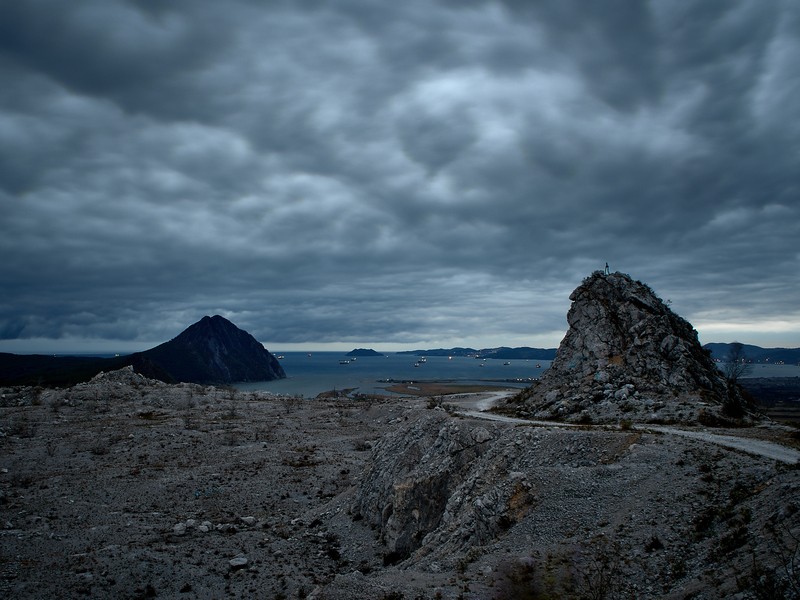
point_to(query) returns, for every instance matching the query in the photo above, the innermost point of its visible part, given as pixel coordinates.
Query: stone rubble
(145, 489)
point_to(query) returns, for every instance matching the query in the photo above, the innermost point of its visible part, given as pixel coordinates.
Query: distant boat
(344, 362)
(309, 354)
(538, 366)
(506, 363)
(280, 357)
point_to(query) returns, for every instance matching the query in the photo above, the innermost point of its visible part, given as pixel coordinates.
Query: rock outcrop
(214, 350)
(429, 485)
(626, 356)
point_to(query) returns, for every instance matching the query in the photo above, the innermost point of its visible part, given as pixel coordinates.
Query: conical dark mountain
(626, 356)
(214, 350)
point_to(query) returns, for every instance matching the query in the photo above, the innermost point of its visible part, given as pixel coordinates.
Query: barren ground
(129, 489)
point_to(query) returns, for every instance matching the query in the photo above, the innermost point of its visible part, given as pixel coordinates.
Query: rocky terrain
(627, 356)
(125, 487)
(618, 482)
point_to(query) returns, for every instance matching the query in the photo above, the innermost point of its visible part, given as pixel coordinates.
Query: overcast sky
(397, 174)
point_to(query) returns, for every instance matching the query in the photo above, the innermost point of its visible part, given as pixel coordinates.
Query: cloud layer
(404, 173)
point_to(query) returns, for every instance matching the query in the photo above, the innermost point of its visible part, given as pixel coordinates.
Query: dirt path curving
(476, 406)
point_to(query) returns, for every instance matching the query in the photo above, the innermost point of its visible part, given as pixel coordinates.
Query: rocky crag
(627, 356)
(411, 487)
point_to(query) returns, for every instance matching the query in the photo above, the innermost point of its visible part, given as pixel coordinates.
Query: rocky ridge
(626, 356)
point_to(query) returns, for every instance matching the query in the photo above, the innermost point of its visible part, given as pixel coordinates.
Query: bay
(309, 374)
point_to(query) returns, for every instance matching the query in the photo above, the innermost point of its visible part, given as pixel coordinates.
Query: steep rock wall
(626, 355)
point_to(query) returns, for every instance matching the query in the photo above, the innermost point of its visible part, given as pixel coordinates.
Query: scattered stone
(240, 562)
(481, 435)
(205, 527)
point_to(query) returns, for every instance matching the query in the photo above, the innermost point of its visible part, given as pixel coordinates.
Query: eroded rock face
(626, 355)
(408, 490)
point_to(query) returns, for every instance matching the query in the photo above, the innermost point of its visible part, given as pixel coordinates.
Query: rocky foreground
(130, 488)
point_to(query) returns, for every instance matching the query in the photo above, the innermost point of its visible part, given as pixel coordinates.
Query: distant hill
(503, 352)
(442, 352)
(212, 351)
(364, 352)
(757, 354)
(520, 353)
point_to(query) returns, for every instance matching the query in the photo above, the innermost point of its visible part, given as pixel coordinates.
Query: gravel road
(763, 448)
(476, 406)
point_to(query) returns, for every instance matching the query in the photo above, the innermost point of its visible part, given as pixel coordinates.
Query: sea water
(308, 374)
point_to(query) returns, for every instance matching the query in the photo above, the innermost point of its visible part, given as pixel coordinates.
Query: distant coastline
(503, 352)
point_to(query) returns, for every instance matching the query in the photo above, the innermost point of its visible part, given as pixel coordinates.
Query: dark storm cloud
(418, 171)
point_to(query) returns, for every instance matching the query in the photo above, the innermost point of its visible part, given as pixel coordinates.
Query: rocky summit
(626, 356)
